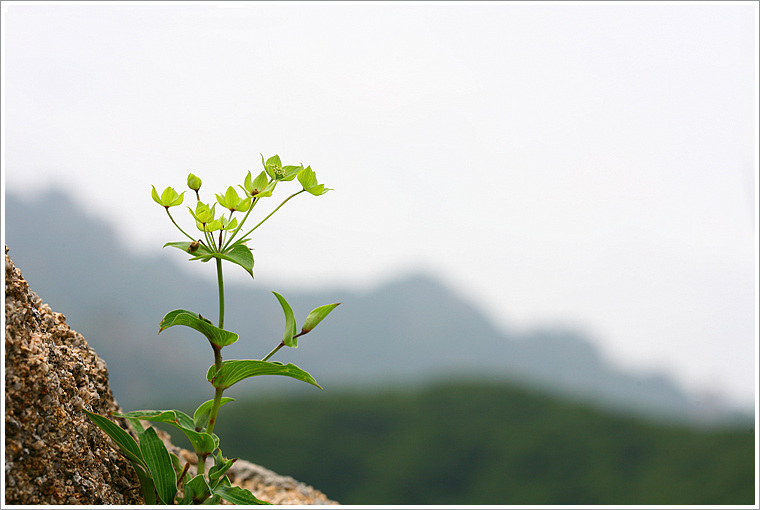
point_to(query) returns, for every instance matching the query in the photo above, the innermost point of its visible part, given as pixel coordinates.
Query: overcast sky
(590, 166)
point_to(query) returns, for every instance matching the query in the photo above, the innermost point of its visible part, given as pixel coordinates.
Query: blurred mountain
(404, 333)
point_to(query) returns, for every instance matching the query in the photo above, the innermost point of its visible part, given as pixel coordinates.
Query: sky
(583, 165)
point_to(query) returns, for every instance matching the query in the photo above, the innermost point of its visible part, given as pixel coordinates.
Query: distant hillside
(405, 332)
(484, 443)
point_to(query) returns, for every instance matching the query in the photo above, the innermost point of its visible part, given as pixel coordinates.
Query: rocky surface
(53, 453)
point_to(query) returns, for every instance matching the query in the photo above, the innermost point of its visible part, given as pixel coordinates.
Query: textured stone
(53, 453)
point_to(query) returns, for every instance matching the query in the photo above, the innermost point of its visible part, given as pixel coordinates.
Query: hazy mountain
(405, 332)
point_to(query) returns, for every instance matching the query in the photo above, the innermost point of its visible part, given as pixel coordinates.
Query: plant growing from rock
(163, 478)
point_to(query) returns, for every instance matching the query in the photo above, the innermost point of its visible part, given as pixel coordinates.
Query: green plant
(163, 478)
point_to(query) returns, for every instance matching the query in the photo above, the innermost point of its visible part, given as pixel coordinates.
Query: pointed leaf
(201, 250)
(201, 441)
(290, 322)
(238, 254)
(199, 489)
(146, 484)
(216, 336)
(236, 370)
(218, 470)
(238, 496)
(160, 465)
(122, 439)
(241, 255)
(316, 316)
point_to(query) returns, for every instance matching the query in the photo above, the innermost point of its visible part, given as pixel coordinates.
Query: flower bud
(194, 182)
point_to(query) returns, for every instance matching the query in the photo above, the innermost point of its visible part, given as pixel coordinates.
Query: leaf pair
(290, 337)
(238, 253)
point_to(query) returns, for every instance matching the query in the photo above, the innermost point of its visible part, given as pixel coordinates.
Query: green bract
(273, 167)
(169, 198)
(260, 186)
(308, 180)
(163, 478)
(203, 213)
(232, 201)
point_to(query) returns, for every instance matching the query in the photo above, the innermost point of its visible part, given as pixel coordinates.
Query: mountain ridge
(406, 331)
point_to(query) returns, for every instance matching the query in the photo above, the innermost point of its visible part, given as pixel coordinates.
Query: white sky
(585, 165)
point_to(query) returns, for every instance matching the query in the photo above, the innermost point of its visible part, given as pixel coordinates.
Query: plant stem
(240, 225)
(214, 407)
(271, 213)
(217, 394)
(282, 344)
(175, 224)
(221, 292)
(273, 351)
(217, 366)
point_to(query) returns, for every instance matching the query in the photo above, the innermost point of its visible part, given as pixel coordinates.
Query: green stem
(217, 394)
(214, 407)
(217, 365)
(271, 213)
(180, 228)
(240, 225)
(282, 344)
(273, 351)
(221, 292)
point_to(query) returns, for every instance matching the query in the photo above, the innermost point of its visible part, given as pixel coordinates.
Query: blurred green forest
(484, 443)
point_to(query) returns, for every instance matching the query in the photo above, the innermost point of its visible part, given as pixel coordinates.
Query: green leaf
(241, 255)
(290, 322)
(238, 495)
(146, 484)
(201, 250)
(201, 415)
(202, 442)
(131, 450)
(199, 489)
(160, 465)
(216, 336)
(238, 253)
(316, 316)
(217, 471)
(236, 370)
(122, 439)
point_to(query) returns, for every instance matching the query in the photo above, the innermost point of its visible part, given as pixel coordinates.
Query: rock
(53, 453)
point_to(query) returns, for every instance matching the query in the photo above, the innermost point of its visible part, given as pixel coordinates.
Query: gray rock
(53, 453)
